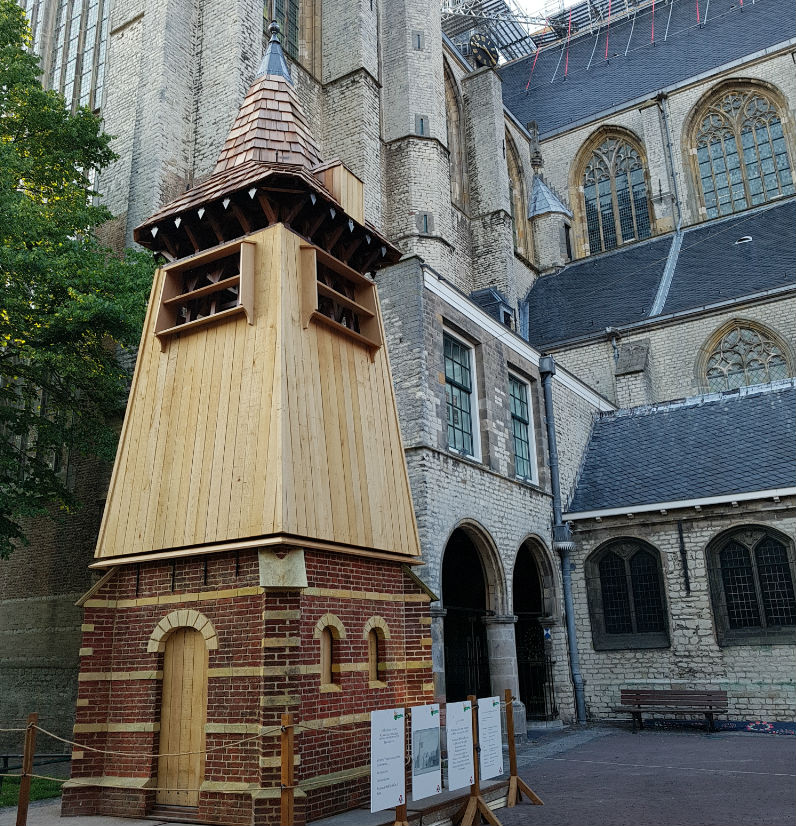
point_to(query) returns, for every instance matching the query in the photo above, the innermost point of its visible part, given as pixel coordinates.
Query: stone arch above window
(739, 148)
(185, 618)
(518, 200)
(752, 570)
(333, 623)
(742, 353)
(611, 174)
(457, 157)
(627, 603)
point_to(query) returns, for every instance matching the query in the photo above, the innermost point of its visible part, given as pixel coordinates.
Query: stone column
(438, 651)
(503, 666)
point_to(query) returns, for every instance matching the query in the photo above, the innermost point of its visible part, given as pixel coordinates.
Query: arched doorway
(182, 719)
(464, 597)
(534, 662)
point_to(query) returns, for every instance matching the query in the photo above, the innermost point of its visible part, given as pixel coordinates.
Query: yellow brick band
(338, 593)
(85, 652)
(275, 701)
(93, 728)
(241, 671)
(335, 777)
(172, 599)
(281, 642)
(276, 761)
(232, 728)
(281, 614)
(87, 626)
(93, 676)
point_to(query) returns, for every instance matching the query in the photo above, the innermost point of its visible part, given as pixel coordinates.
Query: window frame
(530, 430)
(762, 634)
(475, 434)
(626, 548)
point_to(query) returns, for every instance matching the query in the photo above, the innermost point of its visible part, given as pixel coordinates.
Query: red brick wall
(119, 644)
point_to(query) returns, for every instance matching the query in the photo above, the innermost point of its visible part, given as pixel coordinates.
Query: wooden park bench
(636, 701)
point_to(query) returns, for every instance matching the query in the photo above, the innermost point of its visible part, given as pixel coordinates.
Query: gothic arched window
(744, 355)
(626, 597)
(518, 202)
(615, 194)
(741, 153)
(752, 574)
(453, 122)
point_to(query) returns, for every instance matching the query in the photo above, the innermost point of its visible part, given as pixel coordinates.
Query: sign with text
(459, 731)
(490, 740)
(387, 759)
(426, 763)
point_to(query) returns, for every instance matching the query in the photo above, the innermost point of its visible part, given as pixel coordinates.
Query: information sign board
(426, 763)
(490, 741)
(387, 786)
(459, 732)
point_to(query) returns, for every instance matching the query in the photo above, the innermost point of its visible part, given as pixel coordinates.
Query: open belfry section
(258, 539)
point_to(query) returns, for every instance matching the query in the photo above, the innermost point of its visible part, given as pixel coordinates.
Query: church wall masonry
(674, 349)
(759, 679)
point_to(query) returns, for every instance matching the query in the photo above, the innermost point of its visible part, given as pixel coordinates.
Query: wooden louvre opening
(339, 297)
(207, 288)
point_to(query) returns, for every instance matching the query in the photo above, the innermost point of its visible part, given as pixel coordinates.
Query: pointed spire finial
(273, 62)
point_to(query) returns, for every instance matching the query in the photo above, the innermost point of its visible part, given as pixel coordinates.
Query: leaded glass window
(743, 357)
(521, 428)
(286, 13)
(752, 579)
(615, 192)
(458, 392)
(626, 597)
(741, 153)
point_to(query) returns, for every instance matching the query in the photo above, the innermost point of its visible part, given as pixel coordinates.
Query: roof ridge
(778, 386)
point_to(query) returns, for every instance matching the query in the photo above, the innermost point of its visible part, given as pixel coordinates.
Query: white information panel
(387, 787)
(459, 731)
(490, 740)
(426, 763)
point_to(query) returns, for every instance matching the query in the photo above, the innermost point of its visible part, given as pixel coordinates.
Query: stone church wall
(759, 679)
(674, 349)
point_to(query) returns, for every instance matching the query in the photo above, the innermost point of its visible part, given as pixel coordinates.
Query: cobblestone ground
(605, 777)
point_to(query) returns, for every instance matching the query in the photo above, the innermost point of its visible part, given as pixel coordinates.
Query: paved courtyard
(610, 777)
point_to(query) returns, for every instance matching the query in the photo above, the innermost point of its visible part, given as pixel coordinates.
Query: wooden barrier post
(286, 803)
(27, 770)
(476, 807)
(516, 784)
(401, 816)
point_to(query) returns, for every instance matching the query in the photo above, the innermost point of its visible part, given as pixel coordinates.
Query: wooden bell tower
(258, 535)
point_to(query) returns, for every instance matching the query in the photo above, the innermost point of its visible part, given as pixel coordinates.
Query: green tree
(69, 305)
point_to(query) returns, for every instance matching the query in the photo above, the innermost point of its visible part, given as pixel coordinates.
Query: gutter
(728, 498)
(562, 537)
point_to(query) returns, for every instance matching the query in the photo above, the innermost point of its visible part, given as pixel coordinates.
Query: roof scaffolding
(502, 20)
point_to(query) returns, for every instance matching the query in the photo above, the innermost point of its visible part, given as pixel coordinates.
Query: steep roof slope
(620, 287)
(722, 444)
(635, 67)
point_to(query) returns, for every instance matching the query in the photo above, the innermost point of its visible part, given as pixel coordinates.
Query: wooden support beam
(351, 249)
(315, 225)
(170, 245)
(241, 218)
(192, 237)
(287, 789)
(213, 221)
(333, 237)
(267, 208)
(293, 212)
(516, 784)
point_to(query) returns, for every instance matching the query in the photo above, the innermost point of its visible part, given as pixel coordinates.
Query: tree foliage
(69, 306)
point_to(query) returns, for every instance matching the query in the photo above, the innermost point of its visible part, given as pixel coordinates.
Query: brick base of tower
(263, 660)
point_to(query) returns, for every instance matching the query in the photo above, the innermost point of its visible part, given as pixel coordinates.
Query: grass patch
(39, 790)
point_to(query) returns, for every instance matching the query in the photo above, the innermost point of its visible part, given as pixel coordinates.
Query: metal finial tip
(273, 31)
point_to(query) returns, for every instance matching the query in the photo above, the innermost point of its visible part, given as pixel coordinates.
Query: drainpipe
(562, 536)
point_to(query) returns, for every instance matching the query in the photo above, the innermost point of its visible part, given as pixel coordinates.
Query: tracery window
(518, 203)
(745, 356)
(286, 13)
(626, 597)
(453, 123)
(752, 574)
(741, 153)
(616, 196)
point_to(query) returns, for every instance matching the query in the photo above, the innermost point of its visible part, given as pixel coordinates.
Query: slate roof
(731, 32)
(617, 288)
(723, 444)
(543, 200)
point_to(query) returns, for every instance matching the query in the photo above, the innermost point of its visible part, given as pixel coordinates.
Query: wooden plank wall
(236, 431)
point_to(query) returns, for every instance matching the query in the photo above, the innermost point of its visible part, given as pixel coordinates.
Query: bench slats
(672, 701)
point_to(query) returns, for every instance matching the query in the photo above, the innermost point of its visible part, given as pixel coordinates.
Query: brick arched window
(742, 157)
(626, 596)
(743, 353)
(751, 577)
